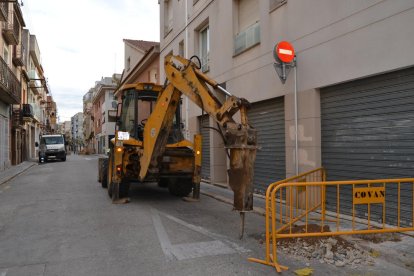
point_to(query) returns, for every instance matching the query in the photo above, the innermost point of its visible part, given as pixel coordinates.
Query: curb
(256, 210)
(7, 179)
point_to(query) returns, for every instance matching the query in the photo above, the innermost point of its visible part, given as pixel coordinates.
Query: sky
(81, 41)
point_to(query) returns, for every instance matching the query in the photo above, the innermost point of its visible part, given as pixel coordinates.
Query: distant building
(141, 61)
(104, 114)
(77, 131)
(88, 119)
(66, 129)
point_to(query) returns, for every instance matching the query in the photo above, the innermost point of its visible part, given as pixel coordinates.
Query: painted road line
(3, 272)
(186, 251)
(207, 233)
(219, 246)
(162, 236)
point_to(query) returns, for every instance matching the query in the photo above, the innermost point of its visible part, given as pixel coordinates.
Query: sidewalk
(398, 253)
(14, 171)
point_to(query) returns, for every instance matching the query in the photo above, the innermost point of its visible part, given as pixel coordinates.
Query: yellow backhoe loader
(149, 144)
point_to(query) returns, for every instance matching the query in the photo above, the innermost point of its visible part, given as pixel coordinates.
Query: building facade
(141, 62)
(77, 132)
(88, 130)
(27, 108)
(66, 130)
(354, 82)
(104, 113)
(10, 84)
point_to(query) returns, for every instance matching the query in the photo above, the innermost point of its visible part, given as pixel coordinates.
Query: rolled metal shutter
(204, 122)
(368, 133)
(268, 117)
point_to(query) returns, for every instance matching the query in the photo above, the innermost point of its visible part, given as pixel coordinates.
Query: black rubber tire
(104, 179)
(64, 159)
(163, 183)
(180, 186)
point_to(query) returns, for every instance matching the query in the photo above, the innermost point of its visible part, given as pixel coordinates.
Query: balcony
(27, 112)
(38, 113)
(34, 83)
(18, 55)
(4, 10)
(10, 87)
(11, 30)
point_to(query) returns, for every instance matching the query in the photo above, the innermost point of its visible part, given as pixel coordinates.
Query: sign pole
(296, 117)
(284, 55)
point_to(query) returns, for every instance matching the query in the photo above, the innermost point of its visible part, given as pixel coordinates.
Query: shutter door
(4, 142)
(205, 146)
(268, 117)
(368, 133)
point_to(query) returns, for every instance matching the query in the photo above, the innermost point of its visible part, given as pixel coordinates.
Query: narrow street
(55, 219)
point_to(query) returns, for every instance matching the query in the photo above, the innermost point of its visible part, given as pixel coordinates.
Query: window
(247, 24)
(247, 13)
(205, 49)
(128, 63)
(168, 16)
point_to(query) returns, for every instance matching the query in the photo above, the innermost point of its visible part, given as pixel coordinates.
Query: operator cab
(138, 103)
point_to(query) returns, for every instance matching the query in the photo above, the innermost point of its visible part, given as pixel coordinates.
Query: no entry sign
(284, 52)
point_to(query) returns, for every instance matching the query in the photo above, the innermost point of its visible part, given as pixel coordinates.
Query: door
(368, 133)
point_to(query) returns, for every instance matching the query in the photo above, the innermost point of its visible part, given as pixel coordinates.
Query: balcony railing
(10, 87)
(34, 83)
(247, 38)
(38, 114)
(11, 30)
(27, 111)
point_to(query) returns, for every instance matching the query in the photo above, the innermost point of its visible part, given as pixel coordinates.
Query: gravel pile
(327, 251)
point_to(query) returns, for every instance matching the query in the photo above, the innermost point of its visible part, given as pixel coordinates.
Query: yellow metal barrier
(315, 201)
(299, 201)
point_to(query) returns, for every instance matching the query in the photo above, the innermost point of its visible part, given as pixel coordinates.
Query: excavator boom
(239, 137)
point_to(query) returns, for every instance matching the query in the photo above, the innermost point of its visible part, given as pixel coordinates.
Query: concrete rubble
(332, 250)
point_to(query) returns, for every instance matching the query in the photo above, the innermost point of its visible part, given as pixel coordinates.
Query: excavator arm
(239, 137)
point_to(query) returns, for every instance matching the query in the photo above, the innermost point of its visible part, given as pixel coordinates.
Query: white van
(52, 146)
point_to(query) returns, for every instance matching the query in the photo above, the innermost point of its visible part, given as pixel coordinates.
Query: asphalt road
(55, 219)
